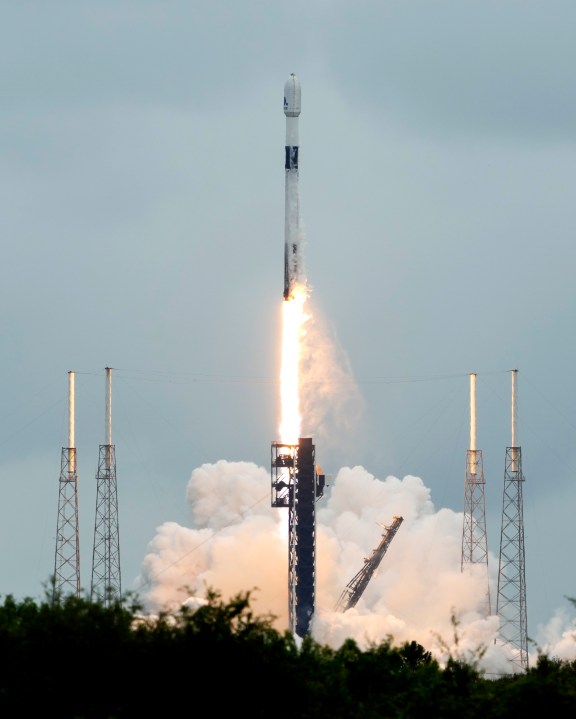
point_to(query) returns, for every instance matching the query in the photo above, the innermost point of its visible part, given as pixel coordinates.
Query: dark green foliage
(74, 659)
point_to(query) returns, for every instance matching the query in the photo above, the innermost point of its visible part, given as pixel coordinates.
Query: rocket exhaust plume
(293, 318)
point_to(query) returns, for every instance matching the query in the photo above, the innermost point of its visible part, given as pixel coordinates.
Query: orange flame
(294, 318)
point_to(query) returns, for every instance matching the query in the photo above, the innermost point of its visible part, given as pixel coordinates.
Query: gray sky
(142, 194)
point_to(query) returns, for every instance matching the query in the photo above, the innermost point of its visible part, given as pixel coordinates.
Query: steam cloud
(238, 542)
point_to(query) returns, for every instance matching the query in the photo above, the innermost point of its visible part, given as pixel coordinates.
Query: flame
(294, 318)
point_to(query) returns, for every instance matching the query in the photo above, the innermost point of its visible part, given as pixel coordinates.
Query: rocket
(292, 260)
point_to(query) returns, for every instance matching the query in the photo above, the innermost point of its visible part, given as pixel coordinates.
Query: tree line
(72, 658)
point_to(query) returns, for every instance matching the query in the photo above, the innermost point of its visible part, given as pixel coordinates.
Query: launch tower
(511, 595)
(106, 585)
(474, 538)
(296, 485)
(67, 559)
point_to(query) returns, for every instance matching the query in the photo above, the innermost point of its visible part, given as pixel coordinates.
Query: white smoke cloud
(238, 543)
(558, 637)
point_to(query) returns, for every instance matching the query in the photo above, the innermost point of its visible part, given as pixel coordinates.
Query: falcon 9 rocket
(292, 260)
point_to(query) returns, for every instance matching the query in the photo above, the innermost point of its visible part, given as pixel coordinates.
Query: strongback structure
(67, 559)
(474, 538)
(296, 484)
(106, 583)
(356, 586)
(511, 595)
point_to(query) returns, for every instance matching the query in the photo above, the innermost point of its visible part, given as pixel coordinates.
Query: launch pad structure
(357, 585)
(297, 484)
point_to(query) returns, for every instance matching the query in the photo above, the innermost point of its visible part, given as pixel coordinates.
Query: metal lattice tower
(297, 484)
(511, 596)
(356, 586)
(106, 584)
(67, 558)
(474, 537)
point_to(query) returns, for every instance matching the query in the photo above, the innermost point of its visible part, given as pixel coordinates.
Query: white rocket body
(292, 262)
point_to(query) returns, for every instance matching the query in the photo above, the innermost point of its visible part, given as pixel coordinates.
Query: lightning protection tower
(67, 559)
(511, 596)
(297, 484)
(474, 538)
(106, 586)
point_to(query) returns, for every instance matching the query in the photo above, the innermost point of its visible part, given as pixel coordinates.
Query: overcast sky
(142, 228)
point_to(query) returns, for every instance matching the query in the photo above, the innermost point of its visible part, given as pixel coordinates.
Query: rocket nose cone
(292, 97)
